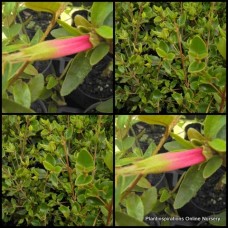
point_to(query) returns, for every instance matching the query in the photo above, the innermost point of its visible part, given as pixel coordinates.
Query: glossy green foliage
(170, 57)
(54, 170)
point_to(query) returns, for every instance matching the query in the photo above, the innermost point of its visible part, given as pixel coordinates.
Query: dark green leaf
(123, 219)
(190, 185)
(99, 53)
(79, 69)
(100, 11)
(212, 166)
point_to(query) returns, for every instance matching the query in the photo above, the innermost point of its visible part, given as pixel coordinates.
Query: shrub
(57, 170)
(170, 57)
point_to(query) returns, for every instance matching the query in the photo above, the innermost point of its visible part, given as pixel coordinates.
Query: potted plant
(203, 153)
(94, 36)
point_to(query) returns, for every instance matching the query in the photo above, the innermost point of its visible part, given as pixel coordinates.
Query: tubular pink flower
(53, 49)
(164, 162)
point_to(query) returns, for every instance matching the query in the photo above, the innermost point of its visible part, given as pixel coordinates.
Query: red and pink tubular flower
(53, 49)
(164, 162)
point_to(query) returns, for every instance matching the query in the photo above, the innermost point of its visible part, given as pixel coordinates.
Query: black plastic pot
(66, 109)
(95, 88)
(36, 20)
(44, 67)
(208, 200)
(39, 106)
(59, 64)
(153, 133)
(172, 177)
(157, 180)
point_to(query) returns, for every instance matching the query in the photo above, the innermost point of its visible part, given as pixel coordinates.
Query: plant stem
(131, 186)
(97, 135)
(110, 206)
(21, 70)
(181, 55)
(68, 168)
(222, 105)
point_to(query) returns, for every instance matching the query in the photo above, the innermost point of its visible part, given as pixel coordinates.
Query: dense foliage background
(170, 57)
(57, 170)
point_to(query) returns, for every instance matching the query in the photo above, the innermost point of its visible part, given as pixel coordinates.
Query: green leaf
(212, 166)
(99, 53)
(67, 187)
(213, 124)
(50, 7)
(195, 67)
(126, 143)
(108, 160)
(65, 210)
(123, 219)
(83, 180)
(44, 208)
(134, 206)
(36, 86)
(105, 32)
(105, 106)
(144, 183)
(54, 179)
(170, 56)
(181, 20)
(161, 53)
(100, 11)
(221, 46)
(164, 46)
(69, 132)
(21, 94)
(207, 88)
(194, 134)
(69, 29)
(218, 145)
(198, 48)
(48, 166)
(192, 182)
(157, 95)
(78, 70)
(149, 199)
(50, 159)
(85, 160)
(52, 82)
(12, 31)
(218, 219)
(9, 106)
(184, 143)
(81, 21)
(178, 98)
(164, 120)
(31, 70)
(165, 195)
(157, 19)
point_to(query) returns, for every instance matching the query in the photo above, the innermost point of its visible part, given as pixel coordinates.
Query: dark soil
(36, 20)
(209, 197)
(153, 133)
(96, 84)
(96, 87)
